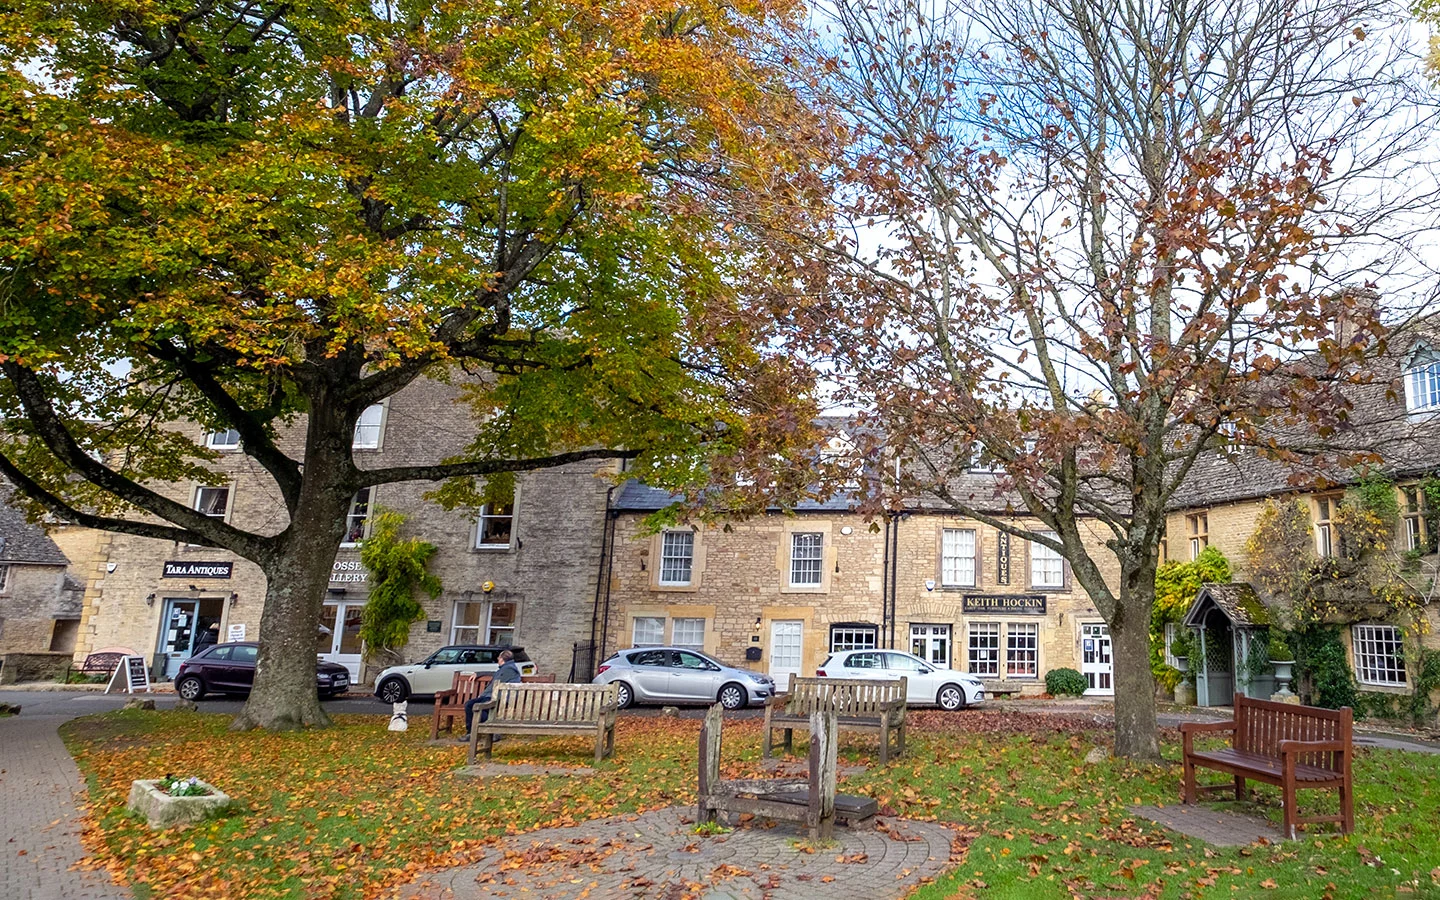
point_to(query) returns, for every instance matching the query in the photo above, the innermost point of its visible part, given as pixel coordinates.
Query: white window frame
(1171, 630)
(1325, 526)
(369, 506)
(685, 630)
(811, 563)
(200, 494)
(486, 512)
(854, 637)
(1422, 386)
(220, 440)
(957, 565)
(1413, 511)
(369, 428)
(677, 557)
(4, 578)
(1198, 527)
(982, 649)
(494, 632)
(1044, 560)
(1379, 653)
(639, 640)
(1022, 650)
(457, 628)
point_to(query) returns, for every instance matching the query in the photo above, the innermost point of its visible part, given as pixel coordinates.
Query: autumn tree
(1089, 241)
(268, 217)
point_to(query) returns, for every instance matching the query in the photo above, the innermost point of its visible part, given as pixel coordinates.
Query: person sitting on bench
(508, 673)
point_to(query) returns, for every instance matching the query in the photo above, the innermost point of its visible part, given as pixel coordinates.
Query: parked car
(437, 671)
(925, 685)
(230, 669)
(678, 675)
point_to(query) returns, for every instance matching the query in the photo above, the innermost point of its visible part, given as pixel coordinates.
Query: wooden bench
(1292, 747)
(859, 705)
(812, 802)
(100, 663)
(548, 709)
(450, 705)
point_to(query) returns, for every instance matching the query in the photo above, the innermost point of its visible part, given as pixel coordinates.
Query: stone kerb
(164, 811)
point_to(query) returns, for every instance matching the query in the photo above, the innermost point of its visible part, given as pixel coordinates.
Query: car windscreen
(520, 654)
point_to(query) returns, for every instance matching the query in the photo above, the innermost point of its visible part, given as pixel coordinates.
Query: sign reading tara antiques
(178, 568)
(1002, 558)
(1004, 604)
(348, 571)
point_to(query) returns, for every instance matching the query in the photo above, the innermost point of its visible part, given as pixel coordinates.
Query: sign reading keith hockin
(1004, 604)
(181, 569)
(348, 571)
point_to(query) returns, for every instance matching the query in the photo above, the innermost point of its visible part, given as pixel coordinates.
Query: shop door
(932, 644)
(177, 634)
(1095, 659)
(785, 648)
(339, 640)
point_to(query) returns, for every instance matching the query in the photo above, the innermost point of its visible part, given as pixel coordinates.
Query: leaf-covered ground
(350, 810)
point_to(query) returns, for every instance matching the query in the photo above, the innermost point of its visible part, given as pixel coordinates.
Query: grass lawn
(347, 811)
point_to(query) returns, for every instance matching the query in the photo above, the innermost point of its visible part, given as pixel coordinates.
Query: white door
(932, 644)
(342, 643)
(1095, 660)
(785, 647)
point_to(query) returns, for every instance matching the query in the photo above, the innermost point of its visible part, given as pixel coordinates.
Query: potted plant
(1182, 646)
(1283, 659)
(172, 800)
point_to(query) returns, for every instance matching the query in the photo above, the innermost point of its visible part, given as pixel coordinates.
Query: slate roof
(636, 497)
(22, 541)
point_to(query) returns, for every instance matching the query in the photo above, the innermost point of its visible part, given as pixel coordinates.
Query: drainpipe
(885, 580)
(602, 581)
(894, 599)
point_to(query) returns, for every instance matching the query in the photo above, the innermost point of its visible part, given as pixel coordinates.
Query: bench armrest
(1289, 747)
(777, 700)
(488, 704)
(444, 695)
(1188, 730)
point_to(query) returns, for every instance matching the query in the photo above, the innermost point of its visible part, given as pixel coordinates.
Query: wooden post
(709, 762)
(824, 731)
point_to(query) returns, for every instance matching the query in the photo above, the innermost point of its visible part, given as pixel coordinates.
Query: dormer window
(1422, 379)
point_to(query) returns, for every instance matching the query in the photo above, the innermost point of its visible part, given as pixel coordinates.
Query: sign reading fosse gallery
(348, 571)
(1004, 604)
(179, 568)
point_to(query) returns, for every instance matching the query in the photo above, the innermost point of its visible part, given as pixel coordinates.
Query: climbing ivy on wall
(1176, 584)
(397, 570)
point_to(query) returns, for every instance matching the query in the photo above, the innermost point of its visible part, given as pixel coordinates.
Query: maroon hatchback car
(230, 669)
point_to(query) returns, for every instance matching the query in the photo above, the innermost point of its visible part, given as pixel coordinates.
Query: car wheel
(393, 690)
(950, 698)
(733, 696)
(624, 696)
(190, 688)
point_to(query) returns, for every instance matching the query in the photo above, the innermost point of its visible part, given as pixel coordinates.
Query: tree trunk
(1135, 736)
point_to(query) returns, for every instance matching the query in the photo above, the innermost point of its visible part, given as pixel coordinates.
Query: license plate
(341, 682)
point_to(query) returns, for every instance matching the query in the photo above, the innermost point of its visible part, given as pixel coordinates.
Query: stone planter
(164, 811)
(1282, 676)
(1182, 664)
(1185, 694)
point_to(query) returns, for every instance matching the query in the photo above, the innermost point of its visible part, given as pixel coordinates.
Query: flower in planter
(182, 787)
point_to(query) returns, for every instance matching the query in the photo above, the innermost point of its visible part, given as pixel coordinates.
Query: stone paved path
(1218, 827)
(39, 821)
(655, 855)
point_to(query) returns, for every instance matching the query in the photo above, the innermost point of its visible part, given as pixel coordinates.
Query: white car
(437, 671)
(926, 684)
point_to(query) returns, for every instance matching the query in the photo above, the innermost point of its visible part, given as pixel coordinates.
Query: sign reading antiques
(348, 571)
(1004, 604)
(1002, 558)
(177, 568)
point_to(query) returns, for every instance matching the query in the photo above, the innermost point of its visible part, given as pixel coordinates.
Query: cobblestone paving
(655, 855)
(39, 821)
(1218, 827)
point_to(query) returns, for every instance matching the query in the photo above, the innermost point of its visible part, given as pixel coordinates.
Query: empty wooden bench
(812, 802)
(859, 705)
(547, 709)
(101, 663)
(450, 705)
(1292, 747)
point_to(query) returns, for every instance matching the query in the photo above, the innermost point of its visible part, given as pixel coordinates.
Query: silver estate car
(676, 675)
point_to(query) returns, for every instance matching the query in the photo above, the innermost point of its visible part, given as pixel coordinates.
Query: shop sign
(348, 571)
(179, 568)
(1002, 558)
(1004, 604)
(236, 632)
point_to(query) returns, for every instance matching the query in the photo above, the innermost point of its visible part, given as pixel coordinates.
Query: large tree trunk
(1135, 736)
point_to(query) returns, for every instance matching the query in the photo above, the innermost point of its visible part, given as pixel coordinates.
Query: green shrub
(1279, 647)
(1322, 669)
(1065, 682)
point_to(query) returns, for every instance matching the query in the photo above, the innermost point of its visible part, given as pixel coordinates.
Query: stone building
(522, 574)
(40, 601)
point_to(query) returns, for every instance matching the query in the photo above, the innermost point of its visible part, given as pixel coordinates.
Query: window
(899, 662)
(688, 633)
(1324, 527)
(807, 549)
(1422, 384)
(223, 440)
(1164, 551)
(1047, 568)
(62, 636)
(244, 654)
(985, 648)
(368, 428)
(650, 658)
(465, 628)
(495, 526)
(1198, 528)
(1379, 655)
(1172, 629)
(852, 637)
(4, 579)
(212, 501)
(502, 624)
(677, 552)
(957, 557)
(685, 660)
(1022, 650)
(648, 631)
(357, 521)
(863, 661)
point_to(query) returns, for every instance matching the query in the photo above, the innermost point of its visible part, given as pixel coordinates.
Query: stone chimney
(1354, 309)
